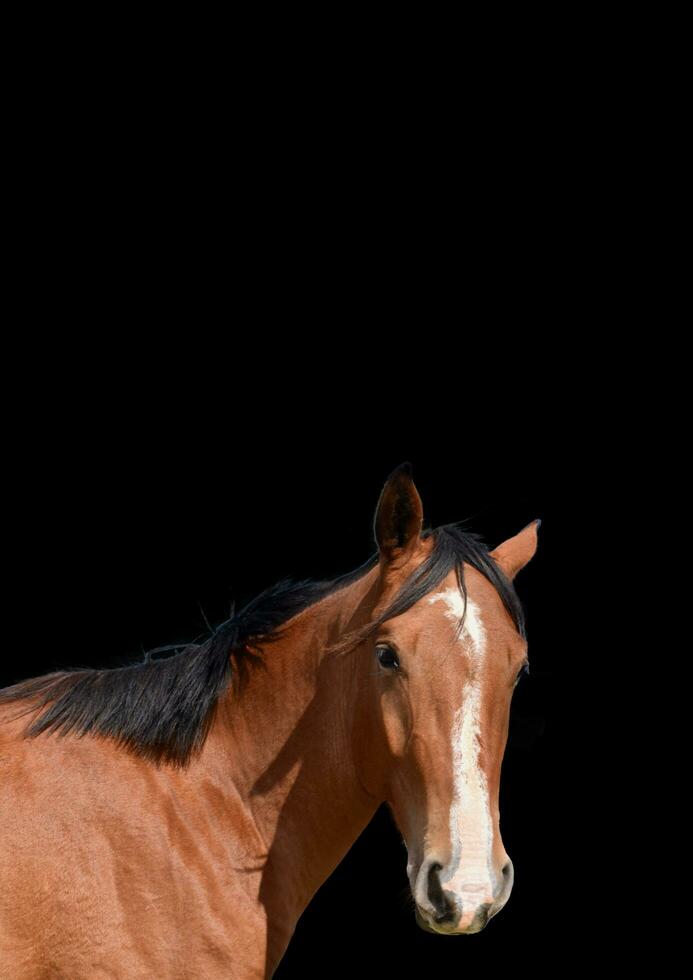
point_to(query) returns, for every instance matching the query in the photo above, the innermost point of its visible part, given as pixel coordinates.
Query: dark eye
(524, 669)
(387, 657)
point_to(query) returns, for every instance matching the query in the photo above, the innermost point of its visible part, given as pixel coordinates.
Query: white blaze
(471, 828)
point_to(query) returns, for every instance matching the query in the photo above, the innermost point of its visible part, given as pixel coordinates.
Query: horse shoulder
(101, 850)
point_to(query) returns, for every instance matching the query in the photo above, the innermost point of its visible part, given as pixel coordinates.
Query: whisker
(204, 616)
(406, 899)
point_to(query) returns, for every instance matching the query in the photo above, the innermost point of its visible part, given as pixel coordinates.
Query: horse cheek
(396, 718)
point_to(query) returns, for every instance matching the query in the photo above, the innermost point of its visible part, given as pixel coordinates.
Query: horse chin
(445, 929)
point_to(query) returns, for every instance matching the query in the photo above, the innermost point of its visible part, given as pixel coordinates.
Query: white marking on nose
(470, 873)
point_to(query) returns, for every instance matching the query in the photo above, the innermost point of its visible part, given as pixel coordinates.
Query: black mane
(163, 709)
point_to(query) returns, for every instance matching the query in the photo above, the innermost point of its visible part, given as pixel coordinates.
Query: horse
(174, 817)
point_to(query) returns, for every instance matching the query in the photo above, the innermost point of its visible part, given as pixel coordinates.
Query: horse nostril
(447, 916)
(436, 895)
(435, 890)
(504, 886)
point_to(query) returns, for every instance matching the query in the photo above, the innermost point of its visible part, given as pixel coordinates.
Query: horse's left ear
(399, 516)
(514, 553)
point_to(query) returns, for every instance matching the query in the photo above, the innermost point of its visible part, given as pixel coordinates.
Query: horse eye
(387, 657)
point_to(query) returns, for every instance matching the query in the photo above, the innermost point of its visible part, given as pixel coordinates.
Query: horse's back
(111, 867)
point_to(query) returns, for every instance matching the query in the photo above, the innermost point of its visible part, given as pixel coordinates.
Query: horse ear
(514, 553)
(399, 515)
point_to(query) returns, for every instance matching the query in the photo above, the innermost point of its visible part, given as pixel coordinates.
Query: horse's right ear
(399, 515)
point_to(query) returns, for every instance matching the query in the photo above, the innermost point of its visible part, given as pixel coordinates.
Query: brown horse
(175, 817)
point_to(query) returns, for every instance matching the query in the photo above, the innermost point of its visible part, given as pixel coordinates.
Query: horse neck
(289, 732)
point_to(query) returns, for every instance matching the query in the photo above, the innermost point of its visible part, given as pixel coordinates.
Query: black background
(131, 524)
(224, 343)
